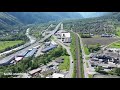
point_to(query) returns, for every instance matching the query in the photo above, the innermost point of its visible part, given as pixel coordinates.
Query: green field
(66, 64)
(118, 31)
(86, 50)
(6, 45)
(72, 49)
(115, 45)
(90, 75)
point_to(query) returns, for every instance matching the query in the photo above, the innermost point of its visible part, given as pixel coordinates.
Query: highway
(53, 32)
(6, 59)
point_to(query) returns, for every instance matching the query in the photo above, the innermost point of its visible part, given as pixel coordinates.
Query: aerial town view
(59, 45)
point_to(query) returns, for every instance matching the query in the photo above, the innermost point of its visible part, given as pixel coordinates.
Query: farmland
(6, 45)
(100, 40)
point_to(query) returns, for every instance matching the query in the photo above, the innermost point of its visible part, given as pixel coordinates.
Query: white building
(65, 35)
(57, 75)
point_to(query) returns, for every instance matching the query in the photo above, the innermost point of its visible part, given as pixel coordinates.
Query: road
(53, 32)
(6, 59)
(69, 75)
(39, 50)
(31, 38)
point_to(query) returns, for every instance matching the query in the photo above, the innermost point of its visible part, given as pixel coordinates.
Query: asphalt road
(31, 38)
(69, 75)
(53, 32)
(33, 44)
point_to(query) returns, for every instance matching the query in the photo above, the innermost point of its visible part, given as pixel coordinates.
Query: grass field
(72, 49)
(118, 31)
(115, 45)
(90, 75)
(86, 50)
(66, 64)
(9, 44)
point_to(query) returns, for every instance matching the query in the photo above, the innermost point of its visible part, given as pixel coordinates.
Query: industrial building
(33, 72)
(31, 53)
(65, 37)
(48, 48)
(18, 58)
(8, 62)
(23, 54)
(106, 35)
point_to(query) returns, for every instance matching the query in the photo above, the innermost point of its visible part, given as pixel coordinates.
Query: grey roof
(59, 60)
(24, 53)
(31, 53)
(67, 40)
(49, 48)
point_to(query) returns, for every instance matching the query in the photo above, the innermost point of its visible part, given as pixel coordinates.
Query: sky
(91, 14)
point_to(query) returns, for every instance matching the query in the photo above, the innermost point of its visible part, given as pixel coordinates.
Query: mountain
(93, 14)
(7, 20)
(10, 19)
(43, 17)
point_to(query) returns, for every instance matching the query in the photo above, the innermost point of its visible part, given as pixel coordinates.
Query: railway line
(78, 70)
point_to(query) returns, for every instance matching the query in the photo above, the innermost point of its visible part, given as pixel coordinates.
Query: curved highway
(33, 44)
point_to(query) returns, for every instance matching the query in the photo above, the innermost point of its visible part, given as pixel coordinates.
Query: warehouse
(48, 48)
(23, 54)
(31, 53)
(8, 62)
(67, 40)
(18, 58)
(33, 72)
(65, 35)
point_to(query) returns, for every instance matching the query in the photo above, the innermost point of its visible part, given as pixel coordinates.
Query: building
(65, 37)
(48, 48)
(31, 53)
(57, 75)
(23, 53)
(8, 62)
(33, 72)
(18, 58)
(106, 35)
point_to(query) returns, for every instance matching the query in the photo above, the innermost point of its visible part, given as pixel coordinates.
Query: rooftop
(58, 75)
(34, 71)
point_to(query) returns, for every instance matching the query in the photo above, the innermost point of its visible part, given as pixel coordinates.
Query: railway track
(78, 70)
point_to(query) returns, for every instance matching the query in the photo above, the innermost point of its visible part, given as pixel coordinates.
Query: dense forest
(97, 25)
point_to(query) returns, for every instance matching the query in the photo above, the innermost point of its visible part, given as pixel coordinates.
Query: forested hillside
(43, 17)
(98, 25)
